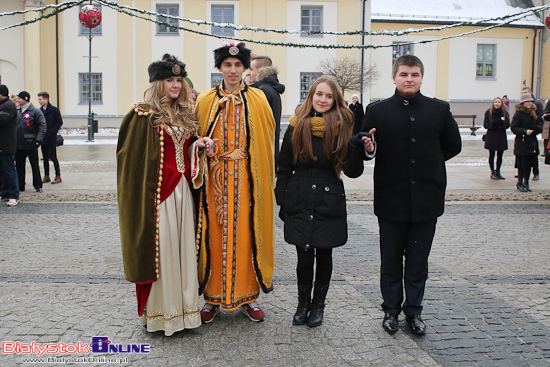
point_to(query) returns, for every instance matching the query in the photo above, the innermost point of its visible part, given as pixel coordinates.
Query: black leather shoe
(417, 325)
(390, 323)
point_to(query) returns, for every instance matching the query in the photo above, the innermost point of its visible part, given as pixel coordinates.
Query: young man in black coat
(263, 75)
(49, 144)
(540, 112)
(415, 135)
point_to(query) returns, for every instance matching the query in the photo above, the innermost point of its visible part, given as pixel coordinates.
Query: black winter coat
(269, 84)
(312, 197)
(522, 121)
(495, 138)
(53, 122)
(357, 110)
(31, 128)
(414, 137)
(8, 127)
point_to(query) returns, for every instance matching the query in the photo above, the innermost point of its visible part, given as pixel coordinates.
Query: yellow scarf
(317, 125)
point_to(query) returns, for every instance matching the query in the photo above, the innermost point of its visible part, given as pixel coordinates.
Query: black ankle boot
(317, 310)
(500, 177)
(526, 184)
(494, 175)
(304, 304)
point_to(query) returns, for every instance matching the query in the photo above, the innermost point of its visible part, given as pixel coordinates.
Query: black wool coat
(312, 197)
(53, 122)
(359, 113)
(414, 137)
(496, 125)
(8, 127)
(524, 119)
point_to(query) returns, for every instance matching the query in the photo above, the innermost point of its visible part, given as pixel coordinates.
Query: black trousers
(306, 260)
(49, 152)
(20, 157)
(412, 242)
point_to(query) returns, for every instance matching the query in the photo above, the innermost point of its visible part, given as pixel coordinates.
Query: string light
(501, 21)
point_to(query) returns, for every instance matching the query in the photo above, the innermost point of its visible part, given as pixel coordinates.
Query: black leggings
(306, 259)
(500, 153)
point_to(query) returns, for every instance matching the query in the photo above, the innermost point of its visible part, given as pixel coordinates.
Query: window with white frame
(486, 61)
(312, 20)
(86, 31)
(306, 81)
(169, 9)
(400, 49)
(223, 14)
(96, 89)
(216, 79)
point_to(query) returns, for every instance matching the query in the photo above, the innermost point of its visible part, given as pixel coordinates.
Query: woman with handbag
(525, 125)
(496, 122)
(316, 150)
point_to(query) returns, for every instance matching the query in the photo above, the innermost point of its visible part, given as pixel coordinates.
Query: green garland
(58, 8)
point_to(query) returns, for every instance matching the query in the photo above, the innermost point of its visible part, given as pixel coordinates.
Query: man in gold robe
(235, 234)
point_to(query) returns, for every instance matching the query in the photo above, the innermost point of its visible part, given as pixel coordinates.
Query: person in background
(506, 103)
(415, 135)
(49, 144)
(496, 122)
(539, 111)
(357, 109)
(263, 75)
(546, 127)
(236, 228)
(193, 96)
(9, 185)
(158, 157)
(31, 128)
(526, 125)
(310, 191)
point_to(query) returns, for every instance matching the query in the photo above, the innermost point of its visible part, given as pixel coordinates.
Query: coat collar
(407, 101)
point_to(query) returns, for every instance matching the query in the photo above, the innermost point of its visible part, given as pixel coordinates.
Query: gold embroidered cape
(259, 178)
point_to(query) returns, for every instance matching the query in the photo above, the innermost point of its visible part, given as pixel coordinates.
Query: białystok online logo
(99, 344)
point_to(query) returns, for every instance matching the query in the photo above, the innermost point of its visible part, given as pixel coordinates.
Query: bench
(472, 127)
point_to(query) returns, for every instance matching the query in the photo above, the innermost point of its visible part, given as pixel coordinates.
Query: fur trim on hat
(265, 72)
(232, 49)
(168, 67)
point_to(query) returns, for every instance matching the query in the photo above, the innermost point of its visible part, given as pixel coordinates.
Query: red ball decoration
(90, 16)
(548, 21)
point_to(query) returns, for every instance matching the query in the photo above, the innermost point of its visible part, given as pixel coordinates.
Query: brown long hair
(338, 116)
(502, 108)
(175, 112)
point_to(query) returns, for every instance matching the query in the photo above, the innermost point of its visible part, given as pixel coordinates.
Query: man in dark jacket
(8, 143)
(49, 144)
(263, 75)
(415, 135)
(31, 128)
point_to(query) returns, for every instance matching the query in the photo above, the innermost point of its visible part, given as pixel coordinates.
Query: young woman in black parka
(316, 149)
(496, 122)
(526, 125)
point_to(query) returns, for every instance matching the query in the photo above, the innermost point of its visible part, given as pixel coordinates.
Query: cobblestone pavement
(487, 299)
(486, 302)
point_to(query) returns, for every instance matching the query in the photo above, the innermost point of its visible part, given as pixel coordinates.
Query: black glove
(357, 140)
